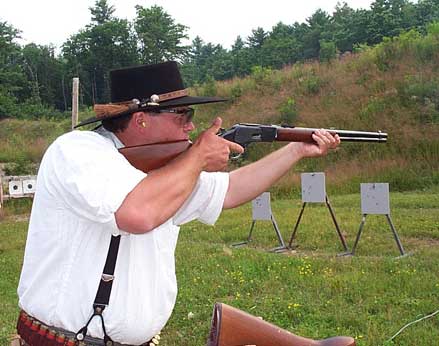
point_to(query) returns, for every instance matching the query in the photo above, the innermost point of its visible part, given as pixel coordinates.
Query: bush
(385, 54)
(7, 105)
(424, 92)
(427, 48)
(433, 29)
(374, 107)
(208, 88)
(328, 50)
(288, 111)
(261, 74)
(235, 92)
(21, 166)
(311, 84)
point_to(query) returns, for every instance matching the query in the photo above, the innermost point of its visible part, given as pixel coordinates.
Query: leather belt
(36, 333)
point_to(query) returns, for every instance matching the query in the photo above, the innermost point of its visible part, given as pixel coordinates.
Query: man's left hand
(323, 142)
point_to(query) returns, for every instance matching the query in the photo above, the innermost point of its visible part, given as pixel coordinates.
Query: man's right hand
(213, 150)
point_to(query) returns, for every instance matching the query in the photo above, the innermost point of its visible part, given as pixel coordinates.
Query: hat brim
(180, 102)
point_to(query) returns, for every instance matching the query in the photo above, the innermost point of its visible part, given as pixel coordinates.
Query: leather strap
(103, 294)
(104, 291)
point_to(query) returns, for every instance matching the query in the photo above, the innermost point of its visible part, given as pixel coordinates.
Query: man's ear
(139, 120)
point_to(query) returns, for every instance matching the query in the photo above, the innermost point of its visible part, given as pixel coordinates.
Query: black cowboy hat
(143, 88)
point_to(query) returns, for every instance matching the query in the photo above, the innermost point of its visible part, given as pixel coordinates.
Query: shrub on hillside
(328, 50)
(235, 92)
(375, 107)
(423, 91)
(427, 48)
(208, 88)
(311, 84)
(7, 105)
(288, 111)
(261, 74)
(385, 54)
(21, 166)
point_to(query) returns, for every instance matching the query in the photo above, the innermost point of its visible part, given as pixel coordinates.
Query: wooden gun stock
(233, 327)
(152, 156)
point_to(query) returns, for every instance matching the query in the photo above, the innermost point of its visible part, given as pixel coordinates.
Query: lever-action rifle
(152, 156)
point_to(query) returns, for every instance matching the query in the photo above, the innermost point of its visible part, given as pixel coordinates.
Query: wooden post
(75, 95)
(1, 193)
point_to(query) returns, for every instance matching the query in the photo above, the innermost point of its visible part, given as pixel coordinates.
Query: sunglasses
(187, 113)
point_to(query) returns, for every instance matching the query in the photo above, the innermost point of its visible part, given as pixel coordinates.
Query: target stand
(261, 211)
(17, 187)
(375, 200)
(314, 191)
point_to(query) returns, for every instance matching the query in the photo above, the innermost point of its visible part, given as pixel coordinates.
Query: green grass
(309, 291)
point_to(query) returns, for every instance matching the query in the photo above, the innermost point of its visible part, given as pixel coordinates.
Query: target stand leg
(282, 245)
(337, 227)
(249, 238)
(293, 235)
(395, 235)
(357, 239)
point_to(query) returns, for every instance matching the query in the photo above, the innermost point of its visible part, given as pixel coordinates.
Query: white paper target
(375, 198)
(29, 185)
(313, 187)
(261, 209)
(15, 188)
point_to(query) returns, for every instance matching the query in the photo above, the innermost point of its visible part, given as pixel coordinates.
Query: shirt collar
(110, 135)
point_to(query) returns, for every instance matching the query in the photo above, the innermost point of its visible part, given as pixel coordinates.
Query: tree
(328, 50)
(106, 44)
(160, 38)
(240, 56)
(12, 78)
(102, 12)
(280, 47)
(318, 29)
(45, 74)
(425, 11)
(386, 19)
(255, 42)
(344, 30)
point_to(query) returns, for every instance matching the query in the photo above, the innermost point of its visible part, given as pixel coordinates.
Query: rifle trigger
(235, 157)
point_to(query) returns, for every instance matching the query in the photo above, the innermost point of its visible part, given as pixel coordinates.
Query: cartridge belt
(35, 333)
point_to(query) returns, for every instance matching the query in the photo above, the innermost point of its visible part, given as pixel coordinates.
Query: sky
(47, 22)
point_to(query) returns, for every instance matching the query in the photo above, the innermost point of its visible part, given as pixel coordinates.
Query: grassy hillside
(393, 87)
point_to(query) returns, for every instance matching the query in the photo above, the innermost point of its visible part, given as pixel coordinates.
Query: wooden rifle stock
(152, 156)
(233, 327)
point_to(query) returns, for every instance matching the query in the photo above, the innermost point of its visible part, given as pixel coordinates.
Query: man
(88, 194)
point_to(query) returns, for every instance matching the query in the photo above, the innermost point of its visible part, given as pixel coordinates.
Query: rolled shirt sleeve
(206, 201)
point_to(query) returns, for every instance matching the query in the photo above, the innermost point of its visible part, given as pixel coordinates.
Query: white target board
(29, 185)
(313, 187)
(375, 198)
(15, 188)
(261, 208)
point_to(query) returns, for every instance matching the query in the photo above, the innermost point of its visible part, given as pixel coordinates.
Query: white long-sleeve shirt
(82, 181)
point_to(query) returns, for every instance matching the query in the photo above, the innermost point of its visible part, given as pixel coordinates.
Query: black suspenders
(103, 294)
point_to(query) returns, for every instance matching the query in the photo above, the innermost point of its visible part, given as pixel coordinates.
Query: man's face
(170, 124)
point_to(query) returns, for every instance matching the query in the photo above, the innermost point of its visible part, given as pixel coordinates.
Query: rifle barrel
(304, 134)
(362, 139)
(348, 133)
